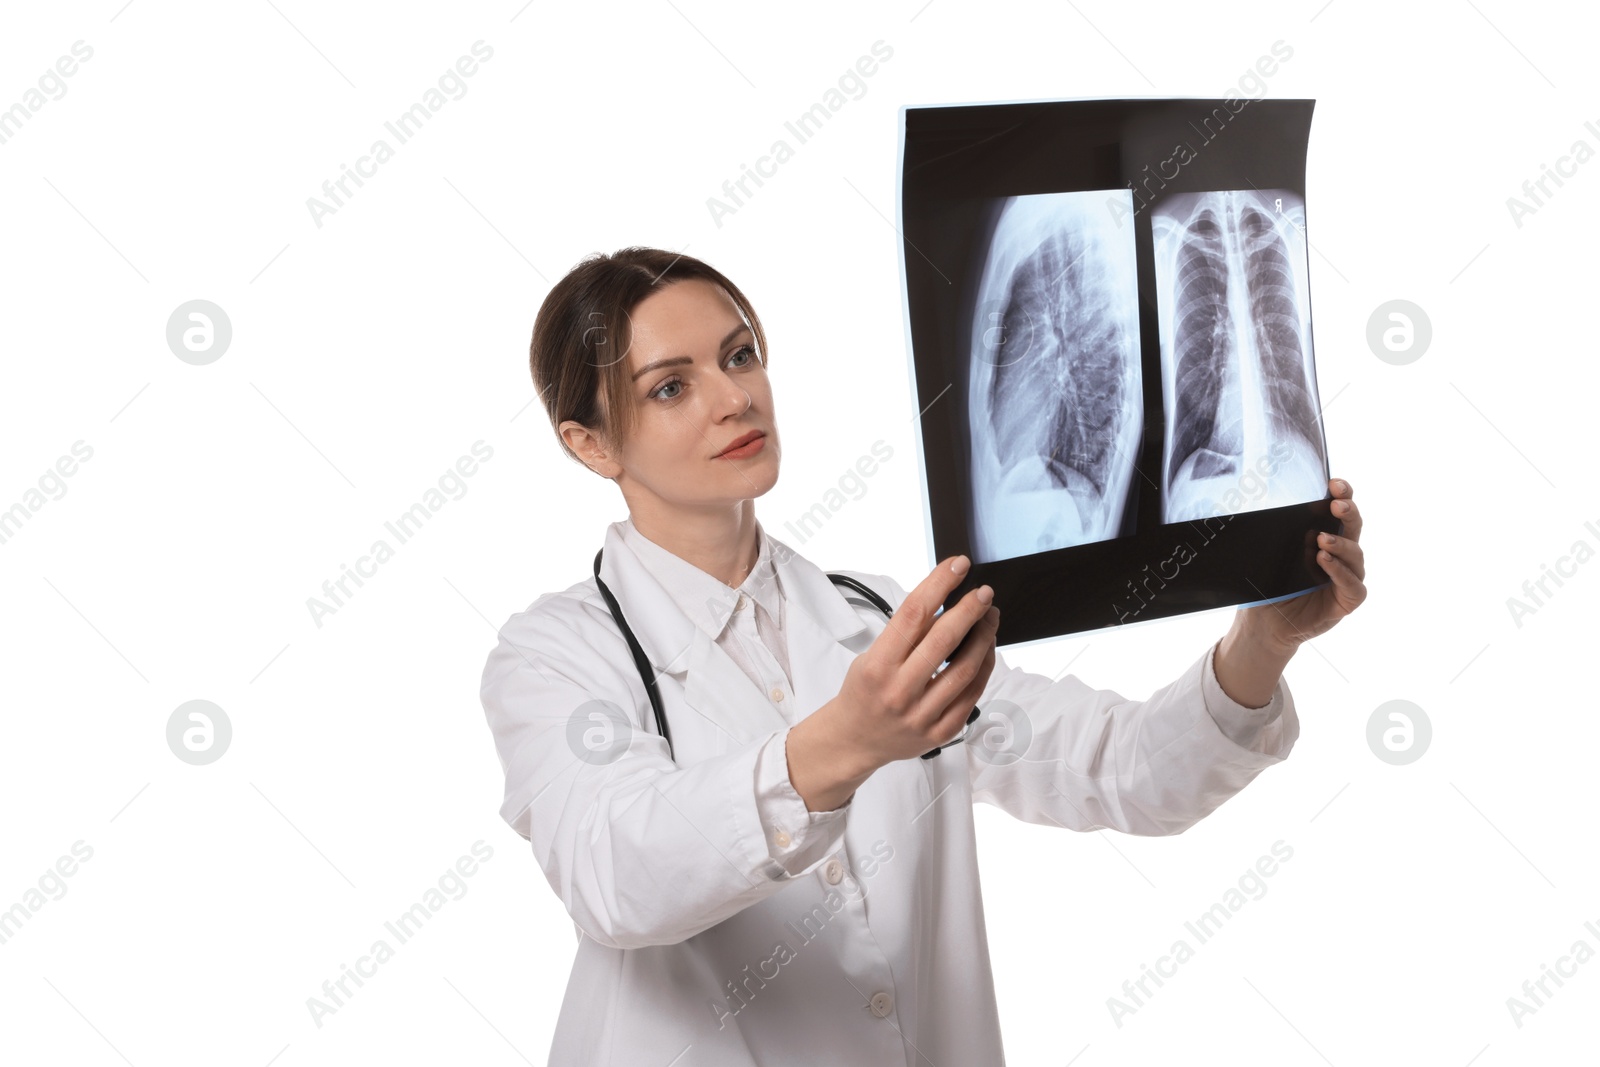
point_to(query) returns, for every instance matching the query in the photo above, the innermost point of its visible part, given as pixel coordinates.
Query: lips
(739, 442)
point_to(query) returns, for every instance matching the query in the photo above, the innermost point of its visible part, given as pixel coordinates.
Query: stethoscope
(648, 677)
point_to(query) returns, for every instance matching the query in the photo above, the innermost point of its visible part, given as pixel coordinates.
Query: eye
(659, 392)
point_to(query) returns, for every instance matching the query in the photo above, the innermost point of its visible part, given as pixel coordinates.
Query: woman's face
(697, 387)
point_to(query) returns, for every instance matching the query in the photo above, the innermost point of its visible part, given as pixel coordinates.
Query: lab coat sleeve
(1065, 754)
(1241, 723)
(641, 851)
(1093, 759)
(812, 835)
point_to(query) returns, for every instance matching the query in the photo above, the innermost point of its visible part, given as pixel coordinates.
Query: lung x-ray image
(1056, 407)
(1236, 361)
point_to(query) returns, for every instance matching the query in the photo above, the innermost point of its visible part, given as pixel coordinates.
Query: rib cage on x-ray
(1238, 357)
(1055, 400)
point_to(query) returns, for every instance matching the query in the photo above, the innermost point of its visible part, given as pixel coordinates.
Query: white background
(371, 352)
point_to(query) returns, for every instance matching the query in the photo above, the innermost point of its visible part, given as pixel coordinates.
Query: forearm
(1095, 759)
(825, 768)
(1247, 666)
(604, 830)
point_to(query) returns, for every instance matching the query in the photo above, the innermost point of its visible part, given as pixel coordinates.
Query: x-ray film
(1108, 308)
(1055, 405)
(1236, 372)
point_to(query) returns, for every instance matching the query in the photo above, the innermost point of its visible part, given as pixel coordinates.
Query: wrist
(1248, 664)
(1252, 630)
(824, 768)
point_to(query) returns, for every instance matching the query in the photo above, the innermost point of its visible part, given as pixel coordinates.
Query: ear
(590, 448)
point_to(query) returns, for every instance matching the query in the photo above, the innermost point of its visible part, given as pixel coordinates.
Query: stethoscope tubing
(646, 675)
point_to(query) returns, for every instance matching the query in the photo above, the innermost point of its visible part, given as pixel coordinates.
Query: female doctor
(781, 879)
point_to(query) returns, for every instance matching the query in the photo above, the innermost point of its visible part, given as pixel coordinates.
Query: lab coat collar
(708, 600)
(818, 619)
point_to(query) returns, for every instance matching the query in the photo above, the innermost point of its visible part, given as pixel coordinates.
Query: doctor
(788, 882)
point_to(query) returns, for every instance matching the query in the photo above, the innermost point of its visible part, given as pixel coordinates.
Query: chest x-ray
(1108, 304)
(1055, 405)
(1236, 362)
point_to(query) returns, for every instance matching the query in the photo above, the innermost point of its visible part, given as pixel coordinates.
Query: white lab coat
(862, 941)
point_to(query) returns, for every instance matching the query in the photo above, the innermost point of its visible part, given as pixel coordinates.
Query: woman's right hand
(895, 702)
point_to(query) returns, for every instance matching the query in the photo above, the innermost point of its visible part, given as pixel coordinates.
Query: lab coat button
(777, 695)
(782, 838)
(833, 872)
(882, 1004)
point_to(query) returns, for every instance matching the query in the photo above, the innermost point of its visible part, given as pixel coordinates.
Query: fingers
(1344, 508)
(954, 721)
(955, 633)
(916, 613)
(1347, 575)
(975, 644)
(1344, 552)
(977, 654)
(925, 638)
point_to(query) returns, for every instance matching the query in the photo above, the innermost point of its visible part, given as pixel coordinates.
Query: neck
(722, 542)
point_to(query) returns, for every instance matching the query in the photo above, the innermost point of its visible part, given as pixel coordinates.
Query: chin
(768, 479)
(758, 481)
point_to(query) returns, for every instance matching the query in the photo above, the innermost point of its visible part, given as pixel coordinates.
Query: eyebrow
(679, 360)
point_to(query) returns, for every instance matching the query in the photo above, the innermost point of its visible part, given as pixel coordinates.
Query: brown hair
(581, 335)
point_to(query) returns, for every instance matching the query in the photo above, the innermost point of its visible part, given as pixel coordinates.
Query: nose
(732, 398)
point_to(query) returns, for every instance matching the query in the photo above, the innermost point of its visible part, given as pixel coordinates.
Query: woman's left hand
(1288, 623)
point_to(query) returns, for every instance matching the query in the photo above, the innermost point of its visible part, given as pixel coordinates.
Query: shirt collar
(702, 597)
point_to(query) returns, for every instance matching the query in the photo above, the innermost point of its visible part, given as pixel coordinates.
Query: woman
(784, 881)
